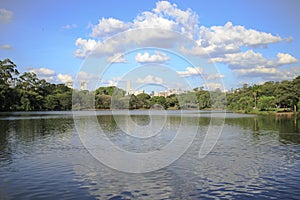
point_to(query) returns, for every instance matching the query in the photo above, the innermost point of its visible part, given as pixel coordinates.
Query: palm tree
(255, 91)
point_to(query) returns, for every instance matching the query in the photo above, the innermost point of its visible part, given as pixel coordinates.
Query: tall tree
(8, 72)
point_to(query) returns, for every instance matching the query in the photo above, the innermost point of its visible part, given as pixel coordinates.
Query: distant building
(83, 85)
(69, 84)
(167, 93)
(138, 92)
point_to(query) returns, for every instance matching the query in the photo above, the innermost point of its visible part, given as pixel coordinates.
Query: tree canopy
(27, 92)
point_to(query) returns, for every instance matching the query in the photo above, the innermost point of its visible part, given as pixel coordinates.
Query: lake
(42, 156)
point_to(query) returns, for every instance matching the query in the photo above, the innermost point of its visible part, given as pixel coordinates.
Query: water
(42, 157)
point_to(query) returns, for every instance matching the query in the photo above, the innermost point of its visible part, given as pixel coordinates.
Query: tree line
(27, 92)
(270, 96)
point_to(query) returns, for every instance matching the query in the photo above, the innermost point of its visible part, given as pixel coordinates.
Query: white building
(69, 84)
(83, 85)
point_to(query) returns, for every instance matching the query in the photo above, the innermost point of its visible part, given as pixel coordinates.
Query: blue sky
(248, 41)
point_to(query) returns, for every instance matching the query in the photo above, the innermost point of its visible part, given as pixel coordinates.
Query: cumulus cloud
(6, 47)
(284, 58)
(43, 71)
(215, 40)
(233, 45)
(50, 75)
(150, 79)
(152, 20)
(116, 58)
(188, 21)
(257, 71)
(108, 27)
(246, 59)
(64, 78)
(219, 40)
(6, 15)
(190, 71)
(251, 59)
(84, 47)
(113, 82)
(157, 57)
(165, 16)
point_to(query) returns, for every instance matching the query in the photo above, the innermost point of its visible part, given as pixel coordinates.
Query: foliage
(27, 92)
(266, 103)
(270, 95)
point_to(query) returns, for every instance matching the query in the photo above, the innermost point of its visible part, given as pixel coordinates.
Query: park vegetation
(26, 92)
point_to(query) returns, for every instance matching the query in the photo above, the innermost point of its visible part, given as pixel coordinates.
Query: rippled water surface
(42, 157)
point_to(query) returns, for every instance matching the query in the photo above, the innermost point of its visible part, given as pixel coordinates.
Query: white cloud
(268, 74)
(234, 36)
(251, 59)
(284, 58)
(116, 58)
(69, 26)
(113, 82)
(7, 47)
(6, 15)
(150, 79)
(152, 25)
(157, 57)
(246, 59)
(42, 71)
(152, 20)
(84, 47)
(108, 27)
(230, 44)
(190, 71)
(257, 71)
(219, 40)
(188, 20)
(64, 78)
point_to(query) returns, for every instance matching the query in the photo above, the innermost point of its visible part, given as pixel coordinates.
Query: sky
(176, 44)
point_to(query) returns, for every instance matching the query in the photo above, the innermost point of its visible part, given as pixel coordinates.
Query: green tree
(245, 103)
(286, 95)
(103, 101)
(172, 102)
(204, 99)
(158, 100)
(266, 103)
(8, 95)
(144, 100)
(255, 89)
(7, 71)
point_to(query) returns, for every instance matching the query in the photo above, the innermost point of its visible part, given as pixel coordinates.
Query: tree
(266, 103)
(103, 101)
(172, 102)
(111, 91)
(204, 100)
(255, 92)
(8, 95)
(268, 88)
(7, 71)
(286, 95)
(245, 103)
(155, 101)
(144, 100)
